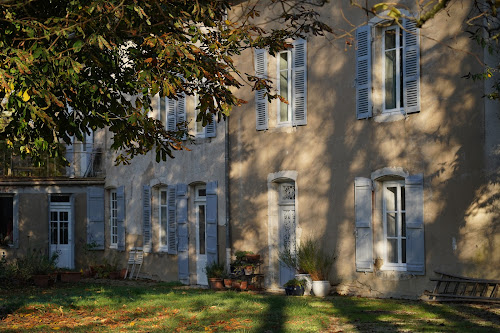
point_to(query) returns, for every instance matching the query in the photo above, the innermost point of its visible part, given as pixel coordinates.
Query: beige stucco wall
(205, 162)
(444, 141)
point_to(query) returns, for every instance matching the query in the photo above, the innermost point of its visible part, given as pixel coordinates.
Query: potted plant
(40, 266)
(294, 287)
(71, 276)
(311, 259)
(215, 273)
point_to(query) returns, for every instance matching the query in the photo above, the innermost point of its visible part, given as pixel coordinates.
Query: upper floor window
(200, 131)
(170, 111)
(291, 74)
(387, 69)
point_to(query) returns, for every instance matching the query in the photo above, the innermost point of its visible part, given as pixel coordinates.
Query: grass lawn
(160, 307)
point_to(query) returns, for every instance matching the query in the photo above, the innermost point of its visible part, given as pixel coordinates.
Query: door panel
(201, 236)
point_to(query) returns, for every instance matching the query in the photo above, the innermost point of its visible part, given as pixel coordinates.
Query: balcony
(86, 161)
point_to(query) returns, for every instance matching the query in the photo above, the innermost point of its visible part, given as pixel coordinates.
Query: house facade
(94, 210)
(385, 154)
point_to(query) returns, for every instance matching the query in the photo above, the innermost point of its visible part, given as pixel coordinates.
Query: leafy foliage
(309, 258)
(69, 67)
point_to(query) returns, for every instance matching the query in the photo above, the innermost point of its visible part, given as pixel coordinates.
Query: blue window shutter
(210, 129)
(415, 246)
(411, 66)
(171, 114)
(261, 103)
(181, 115)
(95, 217)
(171, 220)
(211, 222)
(120, 217)
(299, 83)
(146, 218)
(363, 216)
(182, 233)
(363, 73)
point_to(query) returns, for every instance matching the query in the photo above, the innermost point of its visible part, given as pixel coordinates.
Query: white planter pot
(321, 288)
(308, 286)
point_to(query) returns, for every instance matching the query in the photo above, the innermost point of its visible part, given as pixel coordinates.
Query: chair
(134, 263)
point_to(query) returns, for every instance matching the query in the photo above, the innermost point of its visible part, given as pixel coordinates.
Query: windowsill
(163, 249)
(114, 246)
(390, 116)
(282, 129)
(394, 267)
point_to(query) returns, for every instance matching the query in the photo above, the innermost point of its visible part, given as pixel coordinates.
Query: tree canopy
(69, 67)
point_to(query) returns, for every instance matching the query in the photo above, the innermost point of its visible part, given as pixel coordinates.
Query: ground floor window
(6, 220)
(394, 222)
(114, 218)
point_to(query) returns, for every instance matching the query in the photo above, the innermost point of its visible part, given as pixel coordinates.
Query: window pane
(163, 225)
(202, 192)
(53, 216)
(284, 94)
(163, 110)
(403, 224)
(63, 233)
(403, 251)
(390, 39)
(53, 232)
(391, 199)
(283, 61)
(201, 225)
(403, 198)
(390, 79)
(391, 225)
(163, 198)
(392, 250)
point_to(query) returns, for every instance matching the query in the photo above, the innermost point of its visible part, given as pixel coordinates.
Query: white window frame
(399, 59)
(113, 219)
(198, 134)
(289, 92)
(399, 266)
(163, 229)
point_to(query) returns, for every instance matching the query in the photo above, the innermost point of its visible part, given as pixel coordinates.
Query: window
(291, 75)
(284, 86)
(170, 111)
(387, 69)
(113, 209)
(209, 131)
(397, 221)
(394, 225)
(166, 218)
(6, 220)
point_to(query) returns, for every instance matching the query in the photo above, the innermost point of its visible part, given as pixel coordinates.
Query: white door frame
(66, 251)
(200, 205)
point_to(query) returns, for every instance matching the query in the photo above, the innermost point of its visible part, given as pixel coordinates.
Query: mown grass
(161, 307)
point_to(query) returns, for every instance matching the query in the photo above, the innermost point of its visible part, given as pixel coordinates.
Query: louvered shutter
(71, 235)
(171, 220)
(171, 114)
(211, 222)
(182, 233)
(120, 217)
(363, 73)
(363, 217)
(261, 104)
(146, 218)
(299, 83)
(414, 204)
(411, 66)
(95, 217)
(210, 129)
(181, 115)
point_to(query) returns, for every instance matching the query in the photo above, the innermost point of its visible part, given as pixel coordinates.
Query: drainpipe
(226, 171)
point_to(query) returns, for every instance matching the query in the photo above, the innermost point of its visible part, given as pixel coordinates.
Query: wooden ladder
(460, 288)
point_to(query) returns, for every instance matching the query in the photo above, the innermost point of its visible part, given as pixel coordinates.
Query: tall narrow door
(61, 241)
(201, 235)
(287, 227)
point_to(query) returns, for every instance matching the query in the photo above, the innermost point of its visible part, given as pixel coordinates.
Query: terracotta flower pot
(44, 280)
(216, 283)
(228, 283)
(243, 285)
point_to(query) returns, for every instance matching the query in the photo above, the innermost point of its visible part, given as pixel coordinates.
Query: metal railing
(84, 161)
